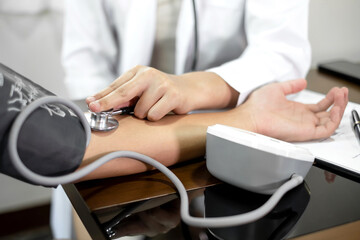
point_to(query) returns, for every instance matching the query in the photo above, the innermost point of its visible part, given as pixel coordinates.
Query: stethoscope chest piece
(104, 121)
(101, 121)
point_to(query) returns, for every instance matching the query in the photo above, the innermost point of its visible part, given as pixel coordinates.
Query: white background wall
(31, 43)
(334, 30)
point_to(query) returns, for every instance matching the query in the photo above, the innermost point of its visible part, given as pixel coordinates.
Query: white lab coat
(246, 42)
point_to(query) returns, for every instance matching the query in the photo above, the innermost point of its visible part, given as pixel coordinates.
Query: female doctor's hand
(272, 114)
(155, 93)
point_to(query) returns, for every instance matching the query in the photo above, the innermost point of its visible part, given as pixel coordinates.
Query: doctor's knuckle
(149, 71)
(138, 67)
(163, 86)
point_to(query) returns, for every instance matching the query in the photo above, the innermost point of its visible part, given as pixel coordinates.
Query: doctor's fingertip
(90, 99)
(95, 106)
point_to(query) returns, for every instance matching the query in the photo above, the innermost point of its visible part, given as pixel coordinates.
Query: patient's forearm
(177, 138)
(173, 139)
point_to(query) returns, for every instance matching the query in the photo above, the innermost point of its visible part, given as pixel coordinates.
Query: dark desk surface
(330, 204)
(322, 83)
(106, 195)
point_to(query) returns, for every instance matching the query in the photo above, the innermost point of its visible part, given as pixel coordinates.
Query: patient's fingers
(325, 130)
(330, 123)
(329, 177)
(341, 100)
(326, 102)
(324, 114)
(323, 121)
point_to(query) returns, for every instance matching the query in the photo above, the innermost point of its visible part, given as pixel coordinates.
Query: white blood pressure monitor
(252, 161)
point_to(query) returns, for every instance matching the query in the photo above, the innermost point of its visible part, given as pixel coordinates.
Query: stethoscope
(104, 121)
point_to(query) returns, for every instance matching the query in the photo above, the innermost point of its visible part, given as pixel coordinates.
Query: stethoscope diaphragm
(104, 121)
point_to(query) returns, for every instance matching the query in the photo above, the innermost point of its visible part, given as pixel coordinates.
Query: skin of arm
(177, 138)
(170, 140)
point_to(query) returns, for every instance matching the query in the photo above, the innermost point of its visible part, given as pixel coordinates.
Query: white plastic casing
(253, 161)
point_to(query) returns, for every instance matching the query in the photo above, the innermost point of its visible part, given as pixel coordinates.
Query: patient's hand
(272, 114)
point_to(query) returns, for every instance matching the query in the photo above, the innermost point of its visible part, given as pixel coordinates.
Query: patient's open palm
(278, 117)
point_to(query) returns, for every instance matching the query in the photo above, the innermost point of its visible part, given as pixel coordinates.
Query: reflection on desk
(220, 200)
(226, 200)
(332, 202)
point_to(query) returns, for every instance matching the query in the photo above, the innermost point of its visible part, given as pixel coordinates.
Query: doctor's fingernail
(95, 106)
(90, 99)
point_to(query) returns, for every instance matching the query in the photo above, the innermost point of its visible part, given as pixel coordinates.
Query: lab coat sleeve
(89, 49)
(278, 47)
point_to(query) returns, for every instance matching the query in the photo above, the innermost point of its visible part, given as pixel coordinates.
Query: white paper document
(342, 148)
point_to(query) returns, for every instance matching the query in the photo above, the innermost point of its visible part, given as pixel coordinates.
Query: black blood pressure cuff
(52, 140)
